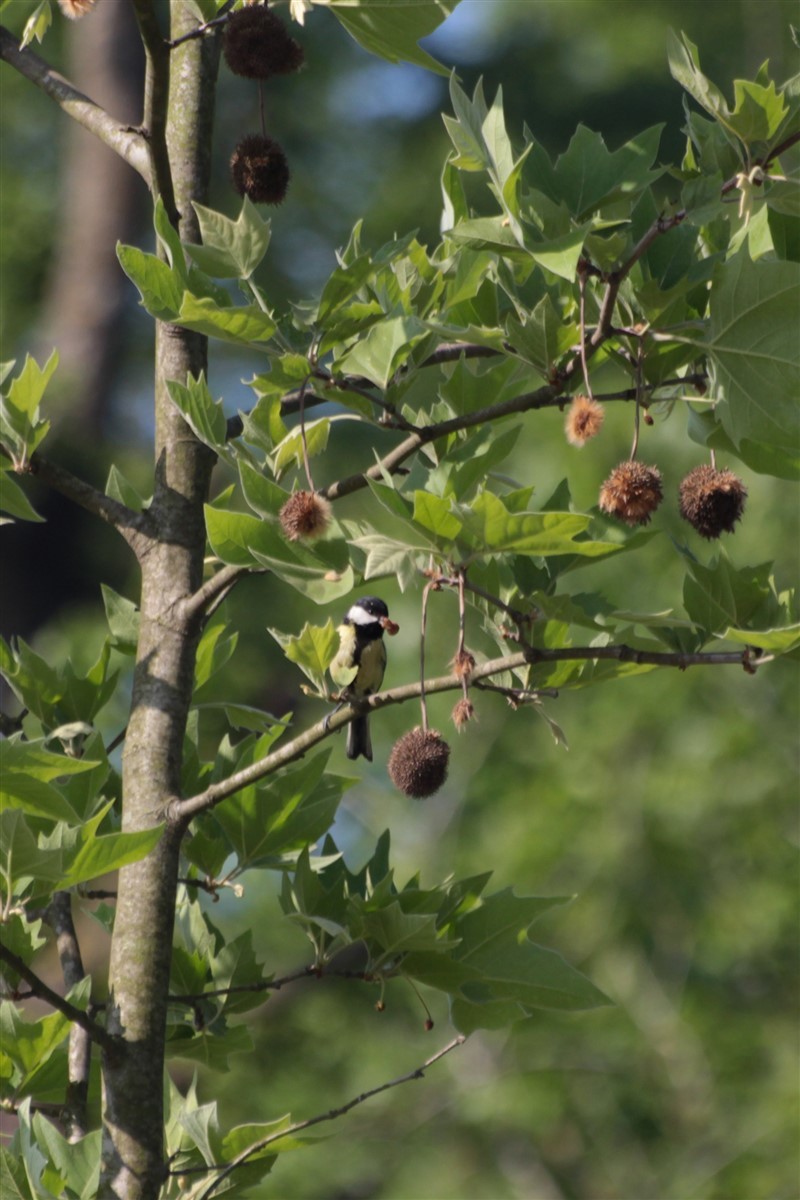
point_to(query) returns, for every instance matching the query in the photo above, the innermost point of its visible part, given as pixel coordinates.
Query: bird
(360, 662)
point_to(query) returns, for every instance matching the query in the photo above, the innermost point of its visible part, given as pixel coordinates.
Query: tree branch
(181, 811)
(112, 1046)
(216, 589)
(124, 141)
(156, 91)
(273, 985)
(226, 1169)
(134, 527)
(58, 915)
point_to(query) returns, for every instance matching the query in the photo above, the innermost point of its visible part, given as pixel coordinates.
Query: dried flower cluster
(259, 170)
(305, 515)
(712, 501)
(632, 492)
(463, 712)
(418, 763)
(584, 420)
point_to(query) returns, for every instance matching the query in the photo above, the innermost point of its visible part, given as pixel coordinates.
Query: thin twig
(582, 332)
(272, 985)
(97, 1033)
(200, 31)
(226, 1169)
(422, 631)
(128, 143)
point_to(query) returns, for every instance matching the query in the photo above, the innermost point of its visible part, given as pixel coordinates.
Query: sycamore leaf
(312, 650)
(754, 350)
(384, 348)
(230, 249)
(242, 325)
(392, 31)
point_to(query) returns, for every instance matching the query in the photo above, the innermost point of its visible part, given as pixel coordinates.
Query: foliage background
(673, 815)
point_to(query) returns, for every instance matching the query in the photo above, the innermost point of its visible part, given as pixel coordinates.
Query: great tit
(360, 662)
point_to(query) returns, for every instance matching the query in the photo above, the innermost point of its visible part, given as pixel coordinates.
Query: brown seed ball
(305, 515)
(632, 493)
(257, 44)
(259, 169)
(712, 501)
(584, 420)
(418, 763)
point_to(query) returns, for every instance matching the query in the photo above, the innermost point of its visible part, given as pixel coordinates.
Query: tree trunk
(133, 1165)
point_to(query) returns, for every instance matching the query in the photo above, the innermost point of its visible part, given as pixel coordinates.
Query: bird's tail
(359, 741)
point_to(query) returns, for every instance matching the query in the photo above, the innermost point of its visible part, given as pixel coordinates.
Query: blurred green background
(672, 817)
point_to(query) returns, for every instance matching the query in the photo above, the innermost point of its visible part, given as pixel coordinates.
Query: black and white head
(369, 614)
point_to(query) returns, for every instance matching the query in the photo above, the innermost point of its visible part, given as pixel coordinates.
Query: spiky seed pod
(259, 169)
(632, 493)
(257, 44)
(304, 516)
(584, 420)
(74, 9)
(712, 501)
(418, 763)
(462, 713)
(463, 664)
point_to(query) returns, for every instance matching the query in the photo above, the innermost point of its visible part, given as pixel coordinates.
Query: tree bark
(133, 1164)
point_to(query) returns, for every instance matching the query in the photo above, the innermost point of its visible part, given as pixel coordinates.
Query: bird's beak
(389, 626)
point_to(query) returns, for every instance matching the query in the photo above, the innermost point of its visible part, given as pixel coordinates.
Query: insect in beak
(389, 626)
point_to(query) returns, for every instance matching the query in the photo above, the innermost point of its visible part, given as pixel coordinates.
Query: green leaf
(782, 461)
(169, 238)
(160, 286)
(209, 1049)
(289, 451)
(490, 528)
(718, 595)
(120, 488)
(755, 350)
(390, 932)
(587, 175)
(343, 284)
(20, 423)
(435, 514)
(230, 249)
(758, 111)
(243, 325)
(383, 349)
(13, 500)
(97, 855)
(122, 617)
(204, 415)
(392, 31)
(37, 23)
(14, 1184)
(684, 66)
(312, 650)
(545, 336)
(214, 651)
(78, 1162)
(771, 641)
(34, 797)
(322, 573)
(282, 814)
(29, 1043)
